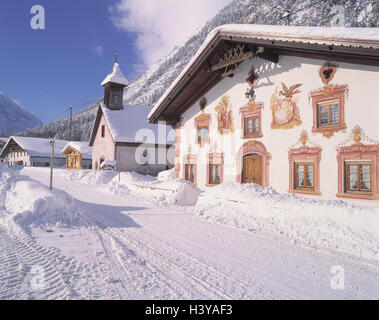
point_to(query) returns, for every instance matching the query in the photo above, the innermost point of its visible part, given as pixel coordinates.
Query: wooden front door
(252, 169)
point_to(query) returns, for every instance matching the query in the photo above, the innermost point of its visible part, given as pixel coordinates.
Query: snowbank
(166, 175)
(161, 191)
(31, 204)
(333, 225)
(97, 177)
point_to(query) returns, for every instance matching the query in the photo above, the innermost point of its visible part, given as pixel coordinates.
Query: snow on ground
(162, 190)
(114, 242)
(334, 225)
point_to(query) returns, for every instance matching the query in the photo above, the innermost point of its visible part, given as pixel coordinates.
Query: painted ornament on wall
(225, 116)
(284, 107)
(327, 72)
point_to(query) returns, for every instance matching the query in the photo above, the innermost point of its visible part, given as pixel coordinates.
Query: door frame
(243, 165)
(254, 147)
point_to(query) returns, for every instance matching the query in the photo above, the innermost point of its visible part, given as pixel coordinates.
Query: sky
(47, 70)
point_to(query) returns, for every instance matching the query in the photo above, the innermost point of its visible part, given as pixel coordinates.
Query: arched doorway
(252, 169)
(253, 161)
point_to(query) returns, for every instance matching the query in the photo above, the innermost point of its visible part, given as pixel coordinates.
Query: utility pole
(52, 143)
(70, 122)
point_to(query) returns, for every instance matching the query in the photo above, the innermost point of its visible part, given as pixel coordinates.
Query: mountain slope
(13, 118)
(148, 88)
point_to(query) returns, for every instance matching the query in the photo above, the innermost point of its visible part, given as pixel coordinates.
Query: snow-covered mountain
(148, 88)
(13, 118)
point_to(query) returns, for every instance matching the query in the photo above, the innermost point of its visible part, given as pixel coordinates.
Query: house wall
(131, 158)
(17, 158)
(23, 158)
(103, 147)
(361, 108)
(86, 164)
(45, 162)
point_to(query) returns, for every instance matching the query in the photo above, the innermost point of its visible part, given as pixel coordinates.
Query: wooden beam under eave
(269, 55)
(201, 90)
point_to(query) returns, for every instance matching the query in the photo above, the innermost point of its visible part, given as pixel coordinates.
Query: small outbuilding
(33, 152)
(78, 155)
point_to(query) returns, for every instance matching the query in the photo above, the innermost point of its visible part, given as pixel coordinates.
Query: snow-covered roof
(38, 147)
(130, 125)
(116, 76)
(83, 147)
(5, 140)
(336, 36)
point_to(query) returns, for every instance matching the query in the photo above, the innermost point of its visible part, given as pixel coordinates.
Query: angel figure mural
(224, 116)
(284, 106)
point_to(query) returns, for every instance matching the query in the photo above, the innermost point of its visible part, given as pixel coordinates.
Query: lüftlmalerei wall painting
(225, 116)
(284, 106)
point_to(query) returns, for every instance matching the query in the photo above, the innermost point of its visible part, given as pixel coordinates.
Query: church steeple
(114, 84)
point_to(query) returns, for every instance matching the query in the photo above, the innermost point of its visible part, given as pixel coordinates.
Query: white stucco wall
(131, 158)
(361, 108)
(23, 158)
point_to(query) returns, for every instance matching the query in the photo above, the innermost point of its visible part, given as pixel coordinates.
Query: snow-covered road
(136, 249)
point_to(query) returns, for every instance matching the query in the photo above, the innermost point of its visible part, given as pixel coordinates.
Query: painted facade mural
(284, 106)
(327, 72)
(225, 116)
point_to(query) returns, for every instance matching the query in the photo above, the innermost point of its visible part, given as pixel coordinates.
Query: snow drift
(31, 204)
(329, 224)
(162, 190)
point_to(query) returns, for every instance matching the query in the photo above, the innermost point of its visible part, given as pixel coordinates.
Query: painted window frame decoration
(190, 159)
(284, 107)
(329, 94)
(178, 129)
(251, 110)
(225, 120)
(304, 155)
(215, 159)
(202, 121)
(358, 153)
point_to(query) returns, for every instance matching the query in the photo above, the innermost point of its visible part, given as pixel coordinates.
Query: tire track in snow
(174, 268)
(146, 281)
(20, 256)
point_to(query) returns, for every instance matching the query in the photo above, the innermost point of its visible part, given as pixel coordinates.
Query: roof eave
(339, 45)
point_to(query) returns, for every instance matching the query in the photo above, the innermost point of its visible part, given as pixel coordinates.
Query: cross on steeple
(115, 56)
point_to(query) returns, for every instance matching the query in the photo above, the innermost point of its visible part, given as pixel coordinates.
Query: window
(215, 169)
(251, 125)
(103, 131)
(202, 123)
(304, 165)
(203, 135)
(214, 174)
(328, 114)
(358, 171)
(190, 172)
(328, 105)
(251, 120)
(190, 168)
(304, 176)
(358, 177)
